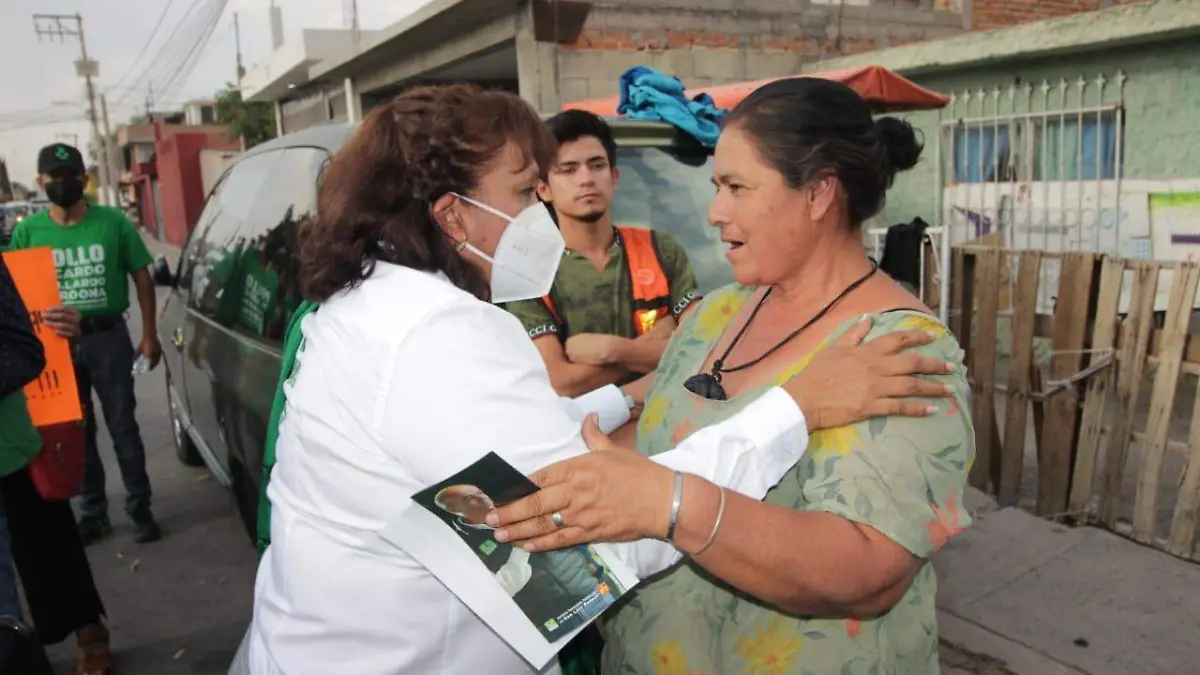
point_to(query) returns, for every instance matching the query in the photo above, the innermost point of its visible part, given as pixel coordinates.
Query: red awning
(882, 89)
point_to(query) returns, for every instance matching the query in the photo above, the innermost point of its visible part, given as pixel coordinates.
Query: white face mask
(527, 256)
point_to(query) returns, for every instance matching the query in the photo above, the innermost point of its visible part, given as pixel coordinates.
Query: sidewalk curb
(1017, 657)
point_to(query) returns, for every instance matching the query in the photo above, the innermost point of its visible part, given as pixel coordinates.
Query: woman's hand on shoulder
(850, 381)
(609, 494)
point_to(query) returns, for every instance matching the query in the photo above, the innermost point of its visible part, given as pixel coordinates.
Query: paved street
(177, 606)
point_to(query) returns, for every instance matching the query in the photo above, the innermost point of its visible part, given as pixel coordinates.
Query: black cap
(60, 156)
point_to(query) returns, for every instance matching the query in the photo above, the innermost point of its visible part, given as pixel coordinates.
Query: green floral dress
(903, 476)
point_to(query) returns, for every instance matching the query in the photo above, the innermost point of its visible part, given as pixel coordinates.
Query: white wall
(212, 164)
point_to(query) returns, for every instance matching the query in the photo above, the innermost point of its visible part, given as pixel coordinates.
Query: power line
(164, 58)
(19, 115)
(78, 117)
(179, 77)
(142, 52)
(184, 62)
(168, 52)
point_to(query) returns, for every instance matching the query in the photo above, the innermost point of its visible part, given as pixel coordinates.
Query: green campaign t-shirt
(258, 288)
(93, 257)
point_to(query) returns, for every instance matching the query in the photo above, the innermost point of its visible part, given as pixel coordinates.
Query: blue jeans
(104, 362)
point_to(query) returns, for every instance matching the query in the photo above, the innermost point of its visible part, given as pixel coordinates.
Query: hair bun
(900, 140)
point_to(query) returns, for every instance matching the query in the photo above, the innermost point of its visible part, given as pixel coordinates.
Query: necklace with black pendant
(708, 385)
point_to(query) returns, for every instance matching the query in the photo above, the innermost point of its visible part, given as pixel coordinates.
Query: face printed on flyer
(558, 591)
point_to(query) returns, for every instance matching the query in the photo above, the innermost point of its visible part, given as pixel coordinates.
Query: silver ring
(557, 518)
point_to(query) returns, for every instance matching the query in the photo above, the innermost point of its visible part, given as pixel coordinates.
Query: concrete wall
(213, 163)
(1162, 94)
(703, 42)
(308, 108)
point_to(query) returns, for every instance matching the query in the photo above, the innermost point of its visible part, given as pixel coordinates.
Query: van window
(195, 241)
(669, 189)
(269, 264)
(248, 256)
(213, 283)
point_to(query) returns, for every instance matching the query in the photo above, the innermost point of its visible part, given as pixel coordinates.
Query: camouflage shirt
(601, 301)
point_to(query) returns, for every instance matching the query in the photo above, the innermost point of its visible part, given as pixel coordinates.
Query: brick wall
(989, 14)
(703, 43)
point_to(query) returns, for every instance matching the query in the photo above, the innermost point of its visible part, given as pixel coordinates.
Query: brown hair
(805, 126)
(375, 198)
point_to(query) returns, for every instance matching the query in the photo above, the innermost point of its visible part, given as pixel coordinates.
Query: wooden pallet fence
(983, 369)
(1174, 352)
(977, 293)
(1086, 408)
(1021, 379)
(1067, 363)
(1091, 431)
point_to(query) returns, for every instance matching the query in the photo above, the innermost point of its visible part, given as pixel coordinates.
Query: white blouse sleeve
(607, 403)
(467, 381)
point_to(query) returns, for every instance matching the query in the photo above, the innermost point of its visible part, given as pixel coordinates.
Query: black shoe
(146, 531)
(92, 530)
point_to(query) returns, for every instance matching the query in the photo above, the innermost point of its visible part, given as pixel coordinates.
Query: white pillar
(278, 119)
(353, 113)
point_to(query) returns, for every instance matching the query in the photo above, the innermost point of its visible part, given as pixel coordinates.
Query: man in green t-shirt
(96, 251)
(619, 291)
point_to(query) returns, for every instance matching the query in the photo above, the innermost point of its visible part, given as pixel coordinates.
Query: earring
(461, 246)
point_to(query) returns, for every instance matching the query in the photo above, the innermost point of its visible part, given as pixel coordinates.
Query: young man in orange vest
(620, 291)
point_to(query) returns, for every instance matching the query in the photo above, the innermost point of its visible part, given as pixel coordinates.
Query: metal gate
(1036, 166)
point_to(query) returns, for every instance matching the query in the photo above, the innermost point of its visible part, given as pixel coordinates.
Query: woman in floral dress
(829, 575)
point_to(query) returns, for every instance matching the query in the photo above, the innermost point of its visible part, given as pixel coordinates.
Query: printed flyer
(534, 601)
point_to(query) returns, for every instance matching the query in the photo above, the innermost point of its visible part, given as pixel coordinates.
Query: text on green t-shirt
(93, 257)
(258, 288)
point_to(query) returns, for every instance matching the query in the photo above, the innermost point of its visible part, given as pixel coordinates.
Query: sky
(42, 100)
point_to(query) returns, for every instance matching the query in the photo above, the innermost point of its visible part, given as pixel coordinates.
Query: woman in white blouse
(408, 374)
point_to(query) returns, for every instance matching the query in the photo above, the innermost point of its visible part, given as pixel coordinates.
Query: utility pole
(114, 172)
(59, 25)
(350, 19)
(149, 101)
(237, 39)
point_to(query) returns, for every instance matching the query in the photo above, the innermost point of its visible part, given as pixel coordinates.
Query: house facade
(1076, 133)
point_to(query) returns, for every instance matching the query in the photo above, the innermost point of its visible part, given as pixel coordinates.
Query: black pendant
(705, 385)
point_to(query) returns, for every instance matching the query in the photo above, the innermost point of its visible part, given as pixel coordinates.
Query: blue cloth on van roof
(647, 94)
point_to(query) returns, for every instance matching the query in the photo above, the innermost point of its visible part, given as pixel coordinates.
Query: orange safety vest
(651, 290)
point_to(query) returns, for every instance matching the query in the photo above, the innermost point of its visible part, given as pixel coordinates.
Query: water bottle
(141, 365)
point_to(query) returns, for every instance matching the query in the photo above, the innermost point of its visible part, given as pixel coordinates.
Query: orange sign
(54, 396)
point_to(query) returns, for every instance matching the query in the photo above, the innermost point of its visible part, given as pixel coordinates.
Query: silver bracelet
(676, 503)
(716, 525)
